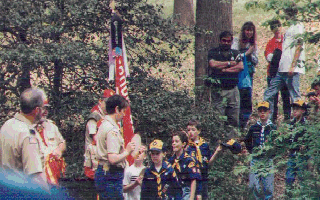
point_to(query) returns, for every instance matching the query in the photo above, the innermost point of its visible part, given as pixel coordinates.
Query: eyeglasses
(275, 26)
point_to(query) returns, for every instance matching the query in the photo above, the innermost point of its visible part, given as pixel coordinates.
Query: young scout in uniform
(255, 139)
(19, 146)
(297, 162)
(160, 180)
(111, 153)
(132, 176)
(184, 165)
(199, 148)
(53, 145)
(97, 113)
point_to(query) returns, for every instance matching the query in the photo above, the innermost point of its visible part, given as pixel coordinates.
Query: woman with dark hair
(247, 44)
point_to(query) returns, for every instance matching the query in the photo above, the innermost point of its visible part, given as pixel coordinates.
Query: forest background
(62, 46)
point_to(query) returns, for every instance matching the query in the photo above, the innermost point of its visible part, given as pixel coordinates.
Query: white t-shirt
(130, 175)
(291, 37)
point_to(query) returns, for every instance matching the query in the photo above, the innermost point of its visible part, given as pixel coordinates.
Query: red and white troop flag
(116, 59)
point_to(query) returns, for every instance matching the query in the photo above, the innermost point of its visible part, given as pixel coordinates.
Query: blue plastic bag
(244, 77)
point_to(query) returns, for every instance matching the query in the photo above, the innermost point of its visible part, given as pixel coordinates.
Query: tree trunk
(213, 17)
(183, 11)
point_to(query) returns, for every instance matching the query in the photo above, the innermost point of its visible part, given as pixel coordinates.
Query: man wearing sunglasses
(225, 64)
(272, 54)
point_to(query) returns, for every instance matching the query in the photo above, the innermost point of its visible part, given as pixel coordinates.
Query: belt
(112, 168)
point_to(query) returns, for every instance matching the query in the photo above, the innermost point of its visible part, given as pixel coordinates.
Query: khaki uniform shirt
(91, 127)
(19, 146)
(52, 137)
(109, 141)
(90, 157)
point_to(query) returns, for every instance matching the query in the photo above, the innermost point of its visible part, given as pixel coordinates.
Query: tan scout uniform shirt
(90, 157)
(52, 137)
(109, 140)
(19, 147)
(91, 127)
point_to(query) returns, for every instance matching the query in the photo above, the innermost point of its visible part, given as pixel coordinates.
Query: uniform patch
(33, 140)
(191, 164)
(194, 170)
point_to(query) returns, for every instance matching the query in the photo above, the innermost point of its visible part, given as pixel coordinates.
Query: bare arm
(193, 189)
(60, 149)
(214, 156)
(218, 64)
(115, 158)
(296, 56)
(128, 188)
(235, 67)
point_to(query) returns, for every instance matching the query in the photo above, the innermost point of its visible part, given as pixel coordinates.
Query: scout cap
(234, 146)
(156, 145)
(299, 103)
(263, 104)
(311, 92)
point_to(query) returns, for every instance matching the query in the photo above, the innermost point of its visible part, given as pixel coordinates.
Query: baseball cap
(311, 92)
(234, 146)
(264, 104)
(156, 145)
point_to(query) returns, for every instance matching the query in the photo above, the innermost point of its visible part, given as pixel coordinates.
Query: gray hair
(30, 99)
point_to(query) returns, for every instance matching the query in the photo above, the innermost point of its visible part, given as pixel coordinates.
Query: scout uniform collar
(176, 161)
(197, 146)
(161, 190)
(109, 119)
(22, 118)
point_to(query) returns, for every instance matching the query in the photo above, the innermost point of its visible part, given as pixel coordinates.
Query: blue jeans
(295, 167)
(109, 184)
(262, 186)
(285, 95)
(279, 81)
(185, 193)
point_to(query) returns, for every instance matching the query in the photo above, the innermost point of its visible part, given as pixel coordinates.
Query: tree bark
(213, 17)
(183, 11)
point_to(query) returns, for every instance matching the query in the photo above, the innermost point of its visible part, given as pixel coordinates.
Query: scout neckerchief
(176, 162)
(158, 176)
(197, 146)
(262, 136)
(40, 130)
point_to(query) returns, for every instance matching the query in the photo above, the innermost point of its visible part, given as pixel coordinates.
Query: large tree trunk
(183, 11)
(213, 17)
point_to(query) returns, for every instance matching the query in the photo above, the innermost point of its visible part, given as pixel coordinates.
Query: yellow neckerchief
(197, 145)
(176, 163)
(158, 175)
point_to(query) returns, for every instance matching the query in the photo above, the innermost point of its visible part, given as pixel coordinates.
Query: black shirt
(228, 80)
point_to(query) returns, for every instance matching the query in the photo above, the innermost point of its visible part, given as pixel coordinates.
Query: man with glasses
(19, 146)
(272, 54)
(225, 64)
(52, 145)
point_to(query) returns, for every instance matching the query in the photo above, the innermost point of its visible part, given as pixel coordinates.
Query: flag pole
(121, 73)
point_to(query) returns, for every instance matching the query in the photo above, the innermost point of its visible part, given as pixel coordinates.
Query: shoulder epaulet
(50, 121)
(94, 115)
